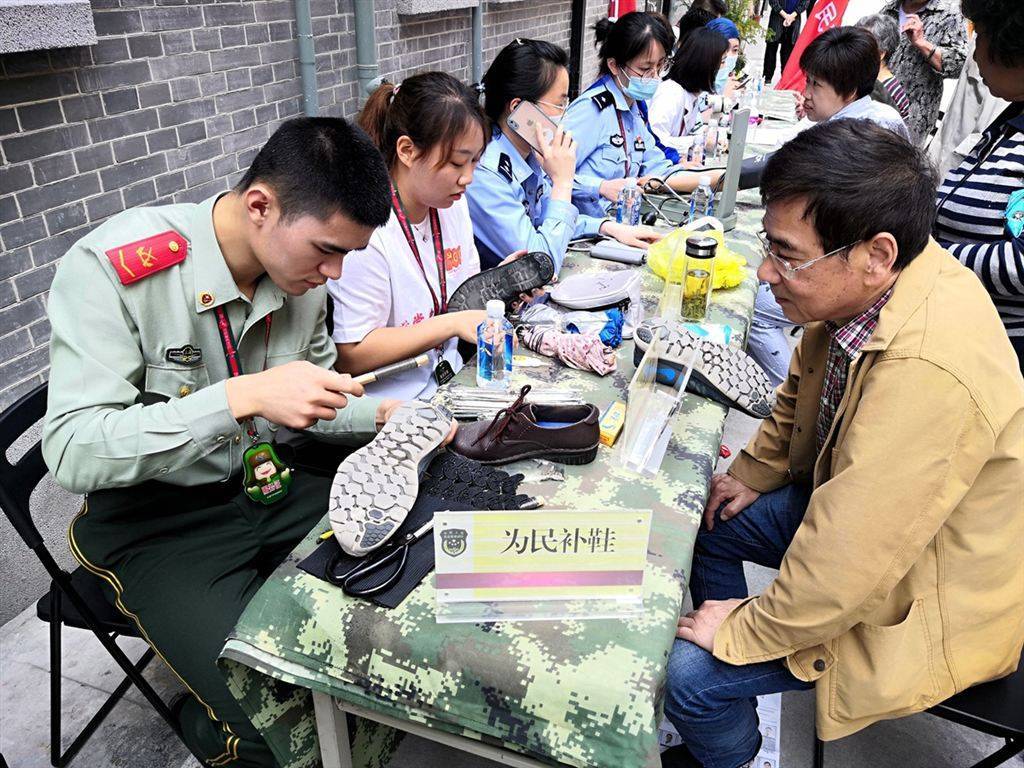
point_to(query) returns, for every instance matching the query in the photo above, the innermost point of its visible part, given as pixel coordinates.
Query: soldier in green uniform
(184, 337)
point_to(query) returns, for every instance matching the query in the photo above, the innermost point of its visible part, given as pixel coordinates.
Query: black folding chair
(995, 708)
(76, 599)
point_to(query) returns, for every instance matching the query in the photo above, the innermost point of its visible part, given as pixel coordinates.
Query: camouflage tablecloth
(580, 693)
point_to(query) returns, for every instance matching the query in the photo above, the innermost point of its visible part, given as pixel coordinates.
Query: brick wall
(171, 104)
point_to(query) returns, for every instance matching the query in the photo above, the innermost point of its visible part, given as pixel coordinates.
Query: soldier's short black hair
(319, 166)
(1002, 23)
(835, 168)
(847, 58)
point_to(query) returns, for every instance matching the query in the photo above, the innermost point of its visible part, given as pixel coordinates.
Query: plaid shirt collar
(855, 333)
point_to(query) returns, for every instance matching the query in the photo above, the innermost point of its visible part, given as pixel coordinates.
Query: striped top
(899, 97)
(982, 221)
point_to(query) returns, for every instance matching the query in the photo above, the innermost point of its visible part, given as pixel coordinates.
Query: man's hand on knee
(699, 627)
(727, 490)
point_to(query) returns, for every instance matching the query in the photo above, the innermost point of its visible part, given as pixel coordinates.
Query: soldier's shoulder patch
(142, 258)
(505, 167)
(603, 99)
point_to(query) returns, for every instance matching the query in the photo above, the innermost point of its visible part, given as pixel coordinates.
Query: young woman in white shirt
(686, 99)
(392, 303)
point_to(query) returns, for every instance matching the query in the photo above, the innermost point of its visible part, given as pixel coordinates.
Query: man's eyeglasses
(787, 270)
(658, 70)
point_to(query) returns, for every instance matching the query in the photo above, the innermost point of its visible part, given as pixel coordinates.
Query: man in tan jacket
(888, 484)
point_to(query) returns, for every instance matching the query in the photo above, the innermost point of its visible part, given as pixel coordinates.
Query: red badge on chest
(140, 259)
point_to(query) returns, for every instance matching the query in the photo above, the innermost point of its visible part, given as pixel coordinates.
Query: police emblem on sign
(453, 541)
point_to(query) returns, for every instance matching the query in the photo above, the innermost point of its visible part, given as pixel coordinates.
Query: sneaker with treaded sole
(722, 373)
(504, 282)
(376, 486)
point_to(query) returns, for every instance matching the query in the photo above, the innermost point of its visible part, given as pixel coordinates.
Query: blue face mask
(723, 74)
(642, 88)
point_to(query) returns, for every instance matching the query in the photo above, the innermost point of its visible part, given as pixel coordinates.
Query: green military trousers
(183, 562)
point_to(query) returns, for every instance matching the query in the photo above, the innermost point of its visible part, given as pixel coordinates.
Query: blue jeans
(711, 703)
(767, 342)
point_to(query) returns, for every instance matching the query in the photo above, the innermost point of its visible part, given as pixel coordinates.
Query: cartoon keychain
(266, 477)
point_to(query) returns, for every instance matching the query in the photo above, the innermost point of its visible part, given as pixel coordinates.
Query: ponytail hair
(523, 69)
(629, 37)
(433, 109)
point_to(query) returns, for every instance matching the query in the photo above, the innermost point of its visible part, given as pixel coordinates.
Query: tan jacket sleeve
(764, 464)
(904, 465)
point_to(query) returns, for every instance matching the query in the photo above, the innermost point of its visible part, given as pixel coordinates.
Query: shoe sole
(505, 282)
(721, 373)
(575, 457)
(375, 488)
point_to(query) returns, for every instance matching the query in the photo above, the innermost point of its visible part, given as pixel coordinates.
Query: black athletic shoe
(505, 282)
(722, 373)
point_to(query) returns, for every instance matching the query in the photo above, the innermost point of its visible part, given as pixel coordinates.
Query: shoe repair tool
(392, 555)
(611, 423)
(475, 403)
(390, 370)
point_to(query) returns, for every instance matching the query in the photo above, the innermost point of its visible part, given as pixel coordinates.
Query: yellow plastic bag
(729, 266)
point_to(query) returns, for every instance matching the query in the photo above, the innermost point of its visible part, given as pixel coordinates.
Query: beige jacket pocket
(883, 671)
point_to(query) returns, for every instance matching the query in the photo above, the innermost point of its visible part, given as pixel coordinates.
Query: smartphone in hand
(524, 120)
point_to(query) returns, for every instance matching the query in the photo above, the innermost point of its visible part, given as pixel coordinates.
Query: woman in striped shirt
(980, 216)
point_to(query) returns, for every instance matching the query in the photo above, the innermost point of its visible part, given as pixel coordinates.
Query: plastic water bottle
(696, 151)
(494, 349)
(628, 205)
(711, 142)
(702, 200)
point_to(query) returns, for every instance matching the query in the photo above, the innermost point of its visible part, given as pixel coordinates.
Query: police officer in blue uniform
(520, 198)
(609, 119)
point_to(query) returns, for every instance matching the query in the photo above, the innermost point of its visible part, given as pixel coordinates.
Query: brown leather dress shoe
(568, 434)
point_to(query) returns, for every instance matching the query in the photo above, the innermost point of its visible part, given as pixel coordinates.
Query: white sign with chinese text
(500, 565)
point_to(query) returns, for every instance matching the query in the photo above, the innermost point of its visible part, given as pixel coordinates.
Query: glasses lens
(781, 266)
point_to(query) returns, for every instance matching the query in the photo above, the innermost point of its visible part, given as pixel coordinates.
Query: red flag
(825, 15)
(619, 8)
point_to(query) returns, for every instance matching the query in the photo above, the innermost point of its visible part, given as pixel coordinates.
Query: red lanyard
(625, 144)
(227, 340)
(440, 307)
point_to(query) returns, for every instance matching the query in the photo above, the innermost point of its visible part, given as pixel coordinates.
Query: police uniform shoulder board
(505, 167)
(603, 99)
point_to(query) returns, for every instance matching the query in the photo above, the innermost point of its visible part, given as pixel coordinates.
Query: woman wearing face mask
(522, 198)
(725, 83)
(685, 100)
(392, 302)
(609, 119)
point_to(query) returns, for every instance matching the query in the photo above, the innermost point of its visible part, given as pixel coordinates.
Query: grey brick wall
(170, 105)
